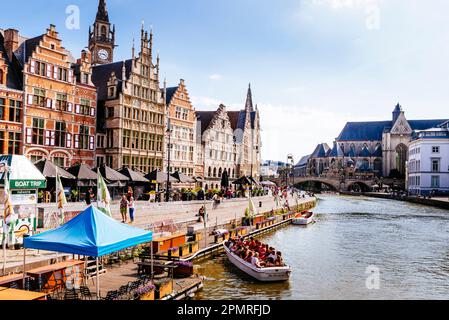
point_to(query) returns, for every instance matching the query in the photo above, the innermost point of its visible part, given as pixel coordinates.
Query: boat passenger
(255, 261)
(279, 261)
(250, 257)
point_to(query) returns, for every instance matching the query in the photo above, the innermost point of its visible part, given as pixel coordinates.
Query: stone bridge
(333, 183)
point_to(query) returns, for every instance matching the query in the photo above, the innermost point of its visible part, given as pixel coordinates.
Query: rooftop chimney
(11, 42)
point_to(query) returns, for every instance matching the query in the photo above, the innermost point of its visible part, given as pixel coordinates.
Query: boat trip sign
(28, 184)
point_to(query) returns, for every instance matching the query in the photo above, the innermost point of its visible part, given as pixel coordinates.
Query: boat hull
(263, 275)
(302, 221)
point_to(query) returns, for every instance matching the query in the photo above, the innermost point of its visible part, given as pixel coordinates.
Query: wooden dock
(120, 275)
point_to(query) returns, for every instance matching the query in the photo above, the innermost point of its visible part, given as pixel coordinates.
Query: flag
(62, 201)
(9, 210)
(103, 196)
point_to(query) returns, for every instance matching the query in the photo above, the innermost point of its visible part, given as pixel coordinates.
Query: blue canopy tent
(92, 233)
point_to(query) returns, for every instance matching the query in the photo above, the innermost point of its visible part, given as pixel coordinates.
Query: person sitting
(262, 250)
(279, 261)
(255, 261)
(272, 256)
(250, 256)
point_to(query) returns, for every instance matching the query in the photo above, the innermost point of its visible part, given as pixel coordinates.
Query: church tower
(102, 37)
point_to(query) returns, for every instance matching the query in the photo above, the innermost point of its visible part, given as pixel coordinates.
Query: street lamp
(169, 131)
(289, 160)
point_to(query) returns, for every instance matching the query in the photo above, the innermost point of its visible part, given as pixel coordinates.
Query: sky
(313, 65)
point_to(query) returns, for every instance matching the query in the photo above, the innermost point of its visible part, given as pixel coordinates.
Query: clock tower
(102, 37)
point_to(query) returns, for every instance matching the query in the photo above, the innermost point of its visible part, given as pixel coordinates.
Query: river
(405, 245)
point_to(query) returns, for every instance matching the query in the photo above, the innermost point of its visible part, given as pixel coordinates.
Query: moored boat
(304, 219)
(271, 274)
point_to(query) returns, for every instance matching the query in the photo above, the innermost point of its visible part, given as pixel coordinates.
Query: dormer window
(111, 92)
(85, 78)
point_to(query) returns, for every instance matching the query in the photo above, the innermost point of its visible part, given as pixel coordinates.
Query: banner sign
(28, 184)
(23, 197)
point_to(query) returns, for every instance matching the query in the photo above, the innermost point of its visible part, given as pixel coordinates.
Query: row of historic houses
(95, 110)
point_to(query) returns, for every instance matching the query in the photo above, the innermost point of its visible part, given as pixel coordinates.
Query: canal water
(360, 248)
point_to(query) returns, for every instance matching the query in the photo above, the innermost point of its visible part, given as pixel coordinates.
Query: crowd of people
(255, 252)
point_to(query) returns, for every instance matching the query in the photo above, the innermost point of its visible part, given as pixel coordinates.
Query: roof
(372, 131)
(321, 151)
(171, 93)
(14, 78)
(303, 161)
(205, 118)
(102, 73)
(92, 233)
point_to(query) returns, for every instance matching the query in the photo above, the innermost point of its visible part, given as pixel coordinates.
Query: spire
(249, 100)
(133, 50)
(396, 112)
(102, 13)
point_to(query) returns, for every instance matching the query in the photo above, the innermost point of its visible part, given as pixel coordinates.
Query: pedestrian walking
(132, 208)
(89, 196)
(124, 208)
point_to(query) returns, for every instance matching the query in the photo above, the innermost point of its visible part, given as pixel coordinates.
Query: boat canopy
(92, 233)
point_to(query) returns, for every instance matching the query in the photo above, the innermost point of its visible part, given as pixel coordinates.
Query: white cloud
(215, 77)
(205, 103)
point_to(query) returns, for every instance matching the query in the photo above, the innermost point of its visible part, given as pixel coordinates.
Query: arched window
(215, 173)
(220, 172)
(210, 172)
(103, 31)
(401, 158)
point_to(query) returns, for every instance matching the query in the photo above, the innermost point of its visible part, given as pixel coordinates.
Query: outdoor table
(44, 275)
(6, 281)
(15, 294)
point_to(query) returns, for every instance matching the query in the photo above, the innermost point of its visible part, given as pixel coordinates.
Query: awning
(92, 233)
(48, 169)
(22, 173)
(113, 178)
(242, 181)
(182, 178)
(160, 177)
(133, 175)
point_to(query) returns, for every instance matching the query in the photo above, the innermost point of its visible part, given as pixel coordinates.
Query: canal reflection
(407, 243)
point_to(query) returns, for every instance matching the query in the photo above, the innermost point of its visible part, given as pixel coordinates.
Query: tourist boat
(304, 219)
(274, 274)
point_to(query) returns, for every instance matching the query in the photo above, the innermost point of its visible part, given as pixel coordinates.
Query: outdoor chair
(111, 295)
(123, 291)
(70, 294)
(85, 293)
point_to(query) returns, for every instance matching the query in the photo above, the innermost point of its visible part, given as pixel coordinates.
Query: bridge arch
(359, 186)
(316, 185)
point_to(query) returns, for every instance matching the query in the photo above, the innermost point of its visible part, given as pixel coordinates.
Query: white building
(428, 166)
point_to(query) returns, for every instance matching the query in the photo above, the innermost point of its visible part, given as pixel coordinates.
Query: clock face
(103, 54)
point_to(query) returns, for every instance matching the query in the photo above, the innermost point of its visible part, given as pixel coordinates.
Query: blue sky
(313, 64)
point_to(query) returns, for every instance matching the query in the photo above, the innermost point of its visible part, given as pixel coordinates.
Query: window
(59, 162)
(85, 78)
(39, 97)
(36, 158)
(2, 141)
(61, 102)
(435, 181)
(38, 131)
(85, 107)
(61, 134)
(435, 165)
(435, 149)
(15, 111)
(2, 108)
(135, 142)
(110, 113)
(100, 141)
(1, 76)
(111, 92)
(126, 138)
(62, 74)
(40, 68)
(84, 138)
